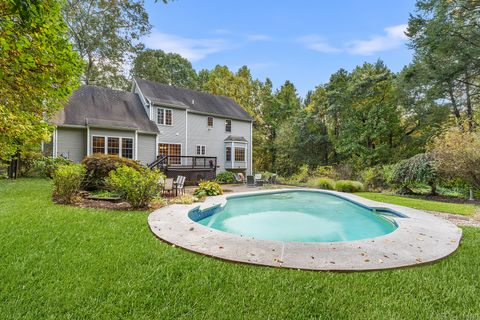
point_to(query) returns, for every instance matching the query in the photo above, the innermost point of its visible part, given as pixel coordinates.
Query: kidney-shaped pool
(296, 216)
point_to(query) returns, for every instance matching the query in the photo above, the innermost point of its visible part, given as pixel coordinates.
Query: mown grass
(456, 208)
(64, 262)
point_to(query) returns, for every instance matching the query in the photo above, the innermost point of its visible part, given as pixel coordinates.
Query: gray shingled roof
(193, 100)
(104, 107)
(235, 138)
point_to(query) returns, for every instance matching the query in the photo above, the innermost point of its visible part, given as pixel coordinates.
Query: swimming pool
(296, 216)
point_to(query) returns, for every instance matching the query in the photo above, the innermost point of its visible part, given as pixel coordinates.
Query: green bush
(27, 163)
(375, 178)
(137, 187)
(46, 166)
(325, 183)
(417, 169)
(208, 188)
(67, 182)
(98, 167)
(302, 175)
(324, 172)
(183, 199)
(225, 177)
(348, 186)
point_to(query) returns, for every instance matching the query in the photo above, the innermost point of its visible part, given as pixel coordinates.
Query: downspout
(251, 148)
(88, 141)
(186, 132)
(54, 141)
(136, 145)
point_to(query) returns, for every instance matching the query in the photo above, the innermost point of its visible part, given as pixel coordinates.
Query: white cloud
(189, 48)
(318, 43)
(221, 31)
(258, 37)
(394, 37)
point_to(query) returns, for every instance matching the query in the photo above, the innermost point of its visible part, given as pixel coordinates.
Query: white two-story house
(178, 129)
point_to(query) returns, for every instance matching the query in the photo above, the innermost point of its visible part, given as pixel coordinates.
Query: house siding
(71, 143)
(213, 138)
(176, 132)
(146, 148)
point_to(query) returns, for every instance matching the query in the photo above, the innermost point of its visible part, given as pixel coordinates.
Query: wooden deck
(194, 168)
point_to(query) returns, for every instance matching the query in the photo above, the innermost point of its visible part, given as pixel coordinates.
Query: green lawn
(65, 262)
(457, 208)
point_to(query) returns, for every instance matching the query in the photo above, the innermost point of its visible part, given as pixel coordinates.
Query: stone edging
(420, 238)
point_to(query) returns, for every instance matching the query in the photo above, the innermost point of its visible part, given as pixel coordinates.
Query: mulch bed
(102, 204)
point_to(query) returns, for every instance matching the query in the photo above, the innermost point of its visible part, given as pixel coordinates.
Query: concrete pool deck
(420, 238)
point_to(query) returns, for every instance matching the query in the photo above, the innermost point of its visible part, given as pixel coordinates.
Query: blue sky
(301, 41)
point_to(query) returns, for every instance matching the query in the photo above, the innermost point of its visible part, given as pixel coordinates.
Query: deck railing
(184, 162)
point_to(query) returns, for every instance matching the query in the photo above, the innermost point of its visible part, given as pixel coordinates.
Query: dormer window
(210, 122)
(164, 116)
(228, 125)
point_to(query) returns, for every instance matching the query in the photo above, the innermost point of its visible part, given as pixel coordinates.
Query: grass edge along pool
(297, 216)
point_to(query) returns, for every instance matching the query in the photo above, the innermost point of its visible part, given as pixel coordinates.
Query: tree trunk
(471, 121)
(433, 187)
(456, 112)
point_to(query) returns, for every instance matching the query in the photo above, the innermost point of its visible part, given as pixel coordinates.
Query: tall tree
(370, 119)
(445, 35)
(38, 71)
(283, 107)
(167, 68)
(106, 34)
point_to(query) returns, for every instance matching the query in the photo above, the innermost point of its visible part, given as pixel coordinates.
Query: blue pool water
(295, 216)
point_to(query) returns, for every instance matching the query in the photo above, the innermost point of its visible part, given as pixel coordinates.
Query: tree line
(365, 117)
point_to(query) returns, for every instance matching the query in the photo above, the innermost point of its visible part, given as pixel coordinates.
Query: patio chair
(242, 177)
(250, 181)
(273, 179)
(239, 179)
(168, 186)
(180, 185)
(258, 180)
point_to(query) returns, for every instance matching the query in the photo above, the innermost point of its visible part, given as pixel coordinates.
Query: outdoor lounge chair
(238, 178)
(168, 186)
(258, 180)
(250, 181)
(273, 179)
(242, 177)
(180, 185)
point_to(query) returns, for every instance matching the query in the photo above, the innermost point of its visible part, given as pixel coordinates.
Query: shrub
(208, 188)
(302, 174)
(348, 186)
(324, 172)
(137, 187)
(46, 166)
(325, 183)
(225, 177)
(183, 199)
(417, 169)
(27, 163)
(375, 178)
(457, 156)
(98, 167)
(67, 182)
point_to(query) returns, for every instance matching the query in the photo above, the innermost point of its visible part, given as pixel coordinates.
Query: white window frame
(231, 125)
(213, 121)
(120, 141)
(234, 152)
(231, 152)
(202, 148)
(164, 111)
